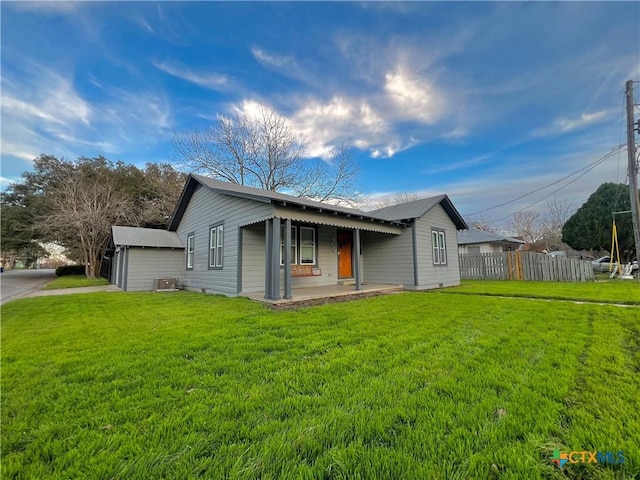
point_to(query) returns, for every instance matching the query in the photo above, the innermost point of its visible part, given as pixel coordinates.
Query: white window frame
(191, 240)
(216, 246)
(439, 246)
(443, 247)
(312, 245)
(294, 245)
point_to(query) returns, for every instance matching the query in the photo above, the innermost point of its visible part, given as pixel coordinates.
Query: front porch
(323, 253)
(327, 292)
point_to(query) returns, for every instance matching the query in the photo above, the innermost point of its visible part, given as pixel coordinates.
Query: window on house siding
(216, 242)
(190, 250)
(294, 246)
(307, 246)
(439, 244)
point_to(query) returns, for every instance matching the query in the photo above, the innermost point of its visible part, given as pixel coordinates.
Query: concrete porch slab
(329, 292)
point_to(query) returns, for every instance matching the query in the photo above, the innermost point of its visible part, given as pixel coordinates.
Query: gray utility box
(165, 283)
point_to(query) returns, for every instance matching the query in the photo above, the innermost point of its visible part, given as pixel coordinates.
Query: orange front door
(345, 263)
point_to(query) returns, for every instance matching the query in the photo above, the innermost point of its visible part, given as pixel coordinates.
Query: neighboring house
(479, 241)
(139, 256)
(571, 253)
(236, 242)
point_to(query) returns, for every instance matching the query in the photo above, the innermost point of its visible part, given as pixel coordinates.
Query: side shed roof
(145, 237)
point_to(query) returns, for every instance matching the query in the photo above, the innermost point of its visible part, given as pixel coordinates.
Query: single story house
(237, 240)
(479, 241)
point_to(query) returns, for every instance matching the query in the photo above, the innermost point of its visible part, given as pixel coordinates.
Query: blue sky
(483, 101)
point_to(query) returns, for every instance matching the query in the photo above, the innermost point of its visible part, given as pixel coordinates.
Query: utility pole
(633, 168)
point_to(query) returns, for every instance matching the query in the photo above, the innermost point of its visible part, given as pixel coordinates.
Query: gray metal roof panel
(265, 195)
(472, 235)
(145, 237)
(394, 215)
(413, 209)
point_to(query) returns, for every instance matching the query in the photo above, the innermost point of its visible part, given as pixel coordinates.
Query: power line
(558, 189)
(595, 163)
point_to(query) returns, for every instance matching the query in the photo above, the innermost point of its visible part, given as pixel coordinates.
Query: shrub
(70, 270)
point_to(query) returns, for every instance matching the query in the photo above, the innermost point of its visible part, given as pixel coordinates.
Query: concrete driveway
(20, 283)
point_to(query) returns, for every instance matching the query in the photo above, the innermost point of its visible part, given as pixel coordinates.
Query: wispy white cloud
(46, 113)
(47, 6)
(566, 124)
(414, 97)
(4, 182)
(324, 124)
(285, 64)
(212, 81)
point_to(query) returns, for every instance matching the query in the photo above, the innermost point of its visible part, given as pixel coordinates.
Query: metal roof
(257, 193)
(266, 196)
(466, 237)
(417, 208)
(145, 237)
(391, 215)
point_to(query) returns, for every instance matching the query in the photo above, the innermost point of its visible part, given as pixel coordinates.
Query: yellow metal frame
(615, 249)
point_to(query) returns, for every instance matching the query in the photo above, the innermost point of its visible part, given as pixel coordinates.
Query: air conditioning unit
(165, 283)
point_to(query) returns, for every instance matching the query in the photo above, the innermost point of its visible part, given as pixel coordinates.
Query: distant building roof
(467, 237)
(145, 237)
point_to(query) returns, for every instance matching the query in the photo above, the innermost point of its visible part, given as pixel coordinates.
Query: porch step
(347, 281)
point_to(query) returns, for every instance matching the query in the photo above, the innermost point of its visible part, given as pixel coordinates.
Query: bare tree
(483, 223)
(84, 206)
(262, 150)
(332, 180)
(395, 199)
(527, 225)
(556, 214)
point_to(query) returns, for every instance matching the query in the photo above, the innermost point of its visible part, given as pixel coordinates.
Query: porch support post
(287, 259)
(416, 278)
(268, 238)
(275, 260)
(357, 262)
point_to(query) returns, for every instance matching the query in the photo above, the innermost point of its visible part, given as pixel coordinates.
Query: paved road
(19, 283)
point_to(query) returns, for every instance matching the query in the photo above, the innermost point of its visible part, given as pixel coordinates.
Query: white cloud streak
(212, 81)
(47, 114)
(566, 125)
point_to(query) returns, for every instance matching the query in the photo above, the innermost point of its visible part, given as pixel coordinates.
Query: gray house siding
(388, 259)
(147, 264)
(430, 275)
(253, 258)
(207, 208)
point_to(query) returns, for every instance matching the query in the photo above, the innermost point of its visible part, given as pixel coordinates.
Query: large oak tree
(75, 203)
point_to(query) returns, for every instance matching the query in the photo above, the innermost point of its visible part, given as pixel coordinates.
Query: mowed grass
(612, 291)
(74, 281)
(413, 385)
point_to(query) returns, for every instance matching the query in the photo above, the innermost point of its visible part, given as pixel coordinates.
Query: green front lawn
(74, 281)
(612, 291)
(413, 385)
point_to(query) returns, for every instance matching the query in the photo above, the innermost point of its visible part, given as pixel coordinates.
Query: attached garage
(142, 256)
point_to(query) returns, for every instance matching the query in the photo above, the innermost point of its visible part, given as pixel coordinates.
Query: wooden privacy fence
(524, 266)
